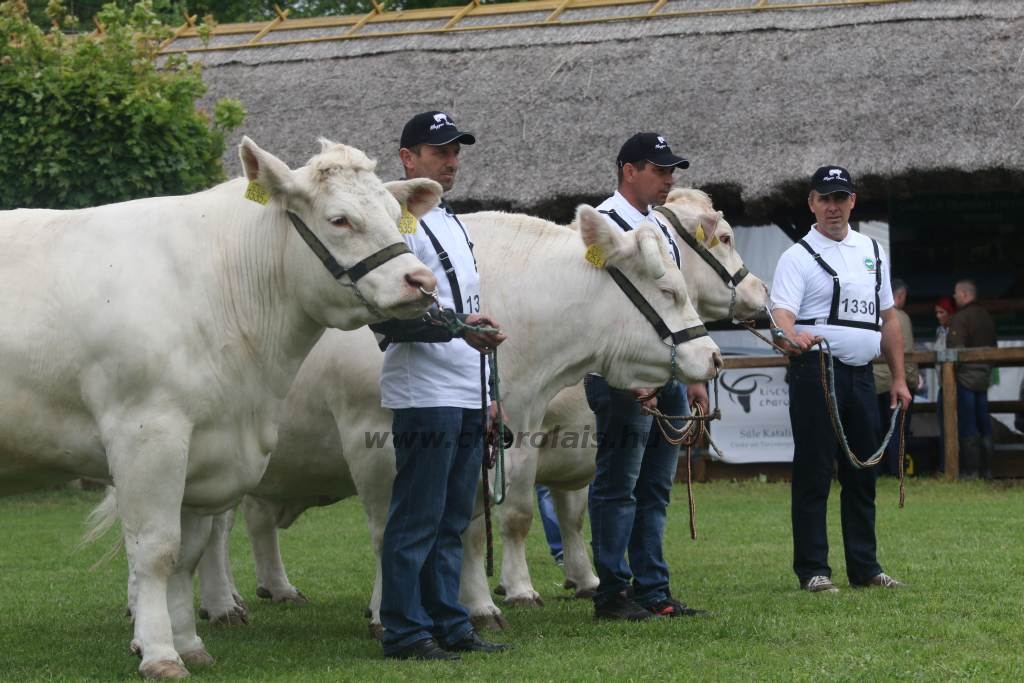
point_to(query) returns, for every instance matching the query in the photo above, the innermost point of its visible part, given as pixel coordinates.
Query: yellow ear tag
(700, 233)
(595, 256)
(407, 224)
(257, 193)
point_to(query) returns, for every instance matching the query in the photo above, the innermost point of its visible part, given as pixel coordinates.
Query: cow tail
(103, 517)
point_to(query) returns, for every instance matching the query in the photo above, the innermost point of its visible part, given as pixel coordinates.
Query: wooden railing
(945, 362)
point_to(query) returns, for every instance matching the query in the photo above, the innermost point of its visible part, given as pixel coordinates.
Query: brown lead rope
(696, 428)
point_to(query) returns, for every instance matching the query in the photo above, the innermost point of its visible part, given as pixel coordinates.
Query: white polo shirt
(422, 375)
(803, 288)
(628, 213)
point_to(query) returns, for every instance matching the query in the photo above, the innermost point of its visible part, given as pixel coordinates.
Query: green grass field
(957, 545)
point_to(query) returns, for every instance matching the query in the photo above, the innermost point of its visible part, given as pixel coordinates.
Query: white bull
(563, 317)
(568, 468)
(150, 343)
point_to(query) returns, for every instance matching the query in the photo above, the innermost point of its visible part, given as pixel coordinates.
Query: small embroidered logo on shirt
(869, 263)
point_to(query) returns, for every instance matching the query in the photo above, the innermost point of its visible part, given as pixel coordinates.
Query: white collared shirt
(629, 213)
(803, 288)
(444, 374)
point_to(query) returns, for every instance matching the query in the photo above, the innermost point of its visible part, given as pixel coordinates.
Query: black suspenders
(625, 226)
(446, 262)
(833, 312)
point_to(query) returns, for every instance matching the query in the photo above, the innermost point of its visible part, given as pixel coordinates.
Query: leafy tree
(92, 119)
(171, 12)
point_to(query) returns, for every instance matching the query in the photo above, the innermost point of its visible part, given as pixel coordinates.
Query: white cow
(150, 343)
(563, 316)
(722, 291)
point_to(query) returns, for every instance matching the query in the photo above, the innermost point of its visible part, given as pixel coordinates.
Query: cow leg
(570, 507)
(155, 453)
(516, 515)
(219, 601)
(261, 524)
(376, 518)
(474, 590)
(195, 534)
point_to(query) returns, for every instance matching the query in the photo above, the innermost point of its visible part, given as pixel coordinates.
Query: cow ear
(264, 168)
(707, 224)
(326, 144)
(602, 240)
(419, 195)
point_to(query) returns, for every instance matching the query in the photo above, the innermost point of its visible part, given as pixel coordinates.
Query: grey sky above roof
(755, 101)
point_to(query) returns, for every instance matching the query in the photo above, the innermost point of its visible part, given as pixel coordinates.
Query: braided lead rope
(828, 384)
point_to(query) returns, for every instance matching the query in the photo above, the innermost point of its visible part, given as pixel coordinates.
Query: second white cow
(563, 316)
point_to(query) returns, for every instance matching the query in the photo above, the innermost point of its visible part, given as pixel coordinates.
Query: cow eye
(671, 294)
(726, 239)
(339, 222)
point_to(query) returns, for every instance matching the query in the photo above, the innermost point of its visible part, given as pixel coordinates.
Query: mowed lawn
(959, 546)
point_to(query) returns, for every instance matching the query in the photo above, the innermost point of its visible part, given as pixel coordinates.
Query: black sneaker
(474, 643)
(425, 648)
(621, 608)
(670, 607)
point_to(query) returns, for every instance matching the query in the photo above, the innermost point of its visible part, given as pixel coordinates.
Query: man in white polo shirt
(431, 382)
(835, 284)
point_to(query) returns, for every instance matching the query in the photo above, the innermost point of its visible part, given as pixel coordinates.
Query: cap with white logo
(649, 147)
(433, 128)
(829, 179)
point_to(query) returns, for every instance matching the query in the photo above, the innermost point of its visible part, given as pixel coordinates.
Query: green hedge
(97, 118)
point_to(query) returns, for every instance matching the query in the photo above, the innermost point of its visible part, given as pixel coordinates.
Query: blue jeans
(438, 455)
(816, 451)
(972, 417)
(630, 492)
(549, 519)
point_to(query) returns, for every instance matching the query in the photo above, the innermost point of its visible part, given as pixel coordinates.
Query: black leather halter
(702, 251)
(378, 258)
(642, 305)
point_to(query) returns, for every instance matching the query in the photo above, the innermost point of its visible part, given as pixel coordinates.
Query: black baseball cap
(433, 128)
(649, 147)
(829, 179)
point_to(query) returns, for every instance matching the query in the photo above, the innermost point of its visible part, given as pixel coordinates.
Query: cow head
(337, 196)
(715, 298)
(640, 358)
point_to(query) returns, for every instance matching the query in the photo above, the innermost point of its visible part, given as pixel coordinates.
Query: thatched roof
(913, 96)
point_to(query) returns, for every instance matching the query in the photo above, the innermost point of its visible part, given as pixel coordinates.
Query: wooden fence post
(950, 434)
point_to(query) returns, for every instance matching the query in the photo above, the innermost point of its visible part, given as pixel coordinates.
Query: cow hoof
(163, 670)
(239, 601)
(525, 601)
(489, 622)
(377, 631)
(262, 592)
(234, 617)
(499, 590)
(204, 614)
(585, 594)
(197, 658)
(569, 585)
(296, 598)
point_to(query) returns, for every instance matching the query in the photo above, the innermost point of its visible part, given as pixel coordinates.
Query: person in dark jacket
(971, 327)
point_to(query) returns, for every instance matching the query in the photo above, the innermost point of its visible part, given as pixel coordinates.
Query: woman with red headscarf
(945, 307)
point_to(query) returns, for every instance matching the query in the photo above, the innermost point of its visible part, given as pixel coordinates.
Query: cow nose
(421, 278)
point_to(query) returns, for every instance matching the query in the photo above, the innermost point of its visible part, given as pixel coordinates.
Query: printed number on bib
(473, 304)
(858, 306)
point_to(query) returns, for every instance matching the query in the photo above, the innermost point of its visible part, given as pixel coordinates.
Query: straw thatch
(917, 96)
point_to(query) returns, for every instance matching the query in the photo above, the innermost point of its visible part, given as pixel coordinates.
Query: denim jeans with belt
(630, 492)
(438, 455)
(816, 451)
